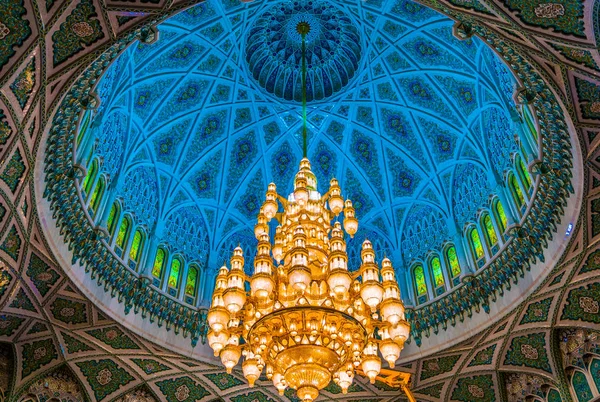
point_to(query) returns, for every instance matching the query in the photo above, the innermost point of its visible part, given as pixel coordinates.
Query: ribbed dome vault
(418, 126)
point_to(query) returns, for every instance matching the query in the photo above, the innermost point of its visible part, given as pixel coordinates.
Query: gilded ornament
(104, 376)
(589, 305)
(549, 10)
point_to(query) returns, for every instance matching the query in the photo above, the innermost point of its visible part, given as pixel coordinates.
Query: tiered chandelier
(307, 319)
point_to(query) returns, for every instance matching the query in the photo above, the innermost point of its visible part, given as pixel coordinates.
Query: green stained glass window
(174, 273)
(110, 222)
(436, 269)
(530, 123)
(136, 246)
(84, 126)
(524, 174)
(90, 177)
(453, 261)
(97, 195)
(159, 264)
(476, 244)
(516, 191)
(420, 280)
(501, 216)
(123, 232)
(191, 281)
(490, 232)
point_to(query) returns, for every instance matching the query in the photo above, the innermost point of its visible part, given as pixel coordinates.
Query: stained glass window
(123, 233)
(420, 280)
(524, 173)
(530, 123)
(174, 273)
(516, 191)
(97, 195)
(490, 232)
(476, 244)
(453, 261)
(136, 246)
(191, 281)
(111, 221)
(159, 264)
(554, 396)
(436, 269)
(84, 126)
(502, 220)
(90, 177)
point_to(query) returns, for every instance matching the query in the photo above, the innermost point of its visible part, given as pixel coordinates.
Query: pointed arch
(435, 267)
(97, 195)
(476, 246)
(491, 237)
(191, 284)
(517, 194)
(499, 215)
(175, 276)
(123, 235)
(113, 218)
(453, 264)
(524, 174)
(136, 248)
(581, 387)
(90, 178)
(158, 268)
(420, 284)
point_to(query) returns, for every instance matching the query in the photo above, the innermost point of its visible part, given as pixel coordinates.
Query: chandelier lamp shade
(303, 317)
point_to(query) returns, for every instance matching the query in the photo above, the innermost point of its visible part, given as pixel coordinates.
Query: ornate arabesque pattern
(562, 277)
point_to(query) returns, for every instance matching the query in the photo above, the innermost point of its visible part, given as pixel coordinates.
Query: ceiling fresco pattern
(54, 335)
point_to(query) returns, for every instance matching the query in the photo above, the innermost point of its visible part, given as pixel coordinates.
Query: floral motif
(182, 393)
(14, 29)
(41, 274)
(588, 305)
(529, 352)
(476, 391)
(104, 376)
(13, 173)
(182, 389)
(549, 10)
(36, 355)
(479, 388)
(4, 31)
(83, 22)
(23, 85)
(69, 311)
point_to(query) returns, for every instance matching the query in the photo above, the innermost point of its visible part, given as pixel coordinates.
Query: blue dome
(418, 126)
(274, 49)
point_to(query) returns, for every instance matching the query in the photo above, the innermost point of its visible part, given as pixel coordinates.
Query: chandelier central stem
(303, 29)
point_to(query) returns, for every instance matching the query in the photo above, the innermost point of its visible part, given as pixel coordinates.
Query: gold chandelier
(307, 319)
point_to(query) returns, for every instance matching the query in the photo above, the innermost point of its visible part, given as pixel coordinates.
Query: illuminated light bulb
(336, 202)
(217, 340)
(230, 356)
(345, 380)
(390, 351)
(392, 311)
(400, 332)
(235, 295)
(278, 246)
(350, 221)
(217, 318)
(371, 366)
(279, 383)
(270, 205)
(372, 293)
(339, 281)
(251, 371)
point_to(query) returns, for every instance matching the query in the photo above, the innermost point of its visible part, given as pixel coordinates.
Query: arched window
(453, 264)
(158, 268)
(595, 372)
(90, 178)
(500, 215)
(476, 247)
(490, 233)
(84, 126)
(123, 235)
(174, 275)
(524, 174)
(530, 123)
(136, 249)
(438, 277)
(111, 222)
(581, 387)
(420, 285)
(96, 196)
(516, 192)
(191, 284)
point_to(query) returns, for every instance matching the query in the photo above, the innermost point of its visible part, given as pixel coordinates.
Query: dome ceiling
(414, 123)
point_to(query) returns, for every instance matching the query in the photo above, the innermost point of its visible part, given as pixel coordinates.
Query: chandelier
(305, 318)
